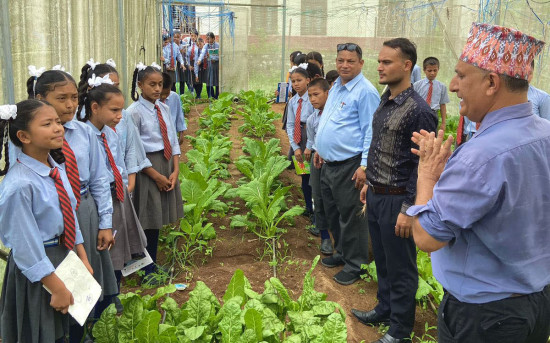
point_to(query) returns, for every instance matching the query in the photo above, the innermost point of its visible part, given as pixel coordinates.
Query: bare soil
(237, 249)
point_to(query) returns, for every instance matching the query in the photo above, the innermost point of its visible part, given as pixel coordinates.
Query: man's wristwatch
(363, 168)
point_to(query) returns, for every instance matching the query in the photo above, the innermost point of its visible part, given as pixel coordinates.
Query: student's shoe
(326, 246)
(314, 231)
(331, 262)
(118, 305)
(312, 218)
(345, 278)
(370, 317)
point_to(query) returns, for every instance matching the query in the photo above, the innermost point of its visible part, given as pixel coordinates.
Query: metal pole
(283, 54)
(6, 63)
(123, 47)
(208, 3)
(220, 55)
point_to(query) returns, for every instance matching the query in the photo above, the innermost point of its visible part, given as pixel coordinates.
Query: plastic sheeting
(69, 32)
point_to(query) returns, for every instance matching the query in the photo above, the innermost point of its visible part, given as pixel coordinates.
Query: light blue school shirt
(167, 54)
(491, 205)
(91, 167)
(439, 92)
(176, 111)
(416, 75)
(541, 102)
(193, 47)
(345, 127)
(145, 118)
(131, 145)
(204, 51)
(311, 126)
(30, 214)
(292, 107)
(116, 150)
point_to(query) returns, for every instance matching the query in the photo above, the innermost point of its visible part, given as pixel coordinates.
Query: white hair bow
(303, 66)
(96, 81)
(140, 66)
(92, 63)
(35, 72)
(156, 66)
(58, 67)
(8, 112)
(111, 62)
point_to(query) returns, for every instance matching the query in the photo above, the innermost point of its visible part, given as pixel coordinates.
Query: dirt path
(237, 249)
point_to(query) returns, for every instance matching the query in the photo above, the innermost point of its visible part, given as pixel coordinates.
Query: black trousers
(395, 259)
(522, 319)
(342, 210)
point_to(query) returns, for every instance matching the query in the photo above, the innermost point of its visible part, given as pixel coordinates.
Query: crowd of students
(85, 174)
(192, 62)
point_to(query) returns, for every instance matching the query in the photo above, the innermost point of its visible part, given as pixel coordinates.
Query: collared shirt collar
(150, 106)
(305, 97)
(95, 129)
(351, 83)
(400, 98)
(70, 125)
(36, 166)
(505, 113)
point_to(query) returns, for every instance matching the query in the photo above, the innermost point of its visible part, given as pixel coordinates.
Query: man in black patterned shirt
(391, 190)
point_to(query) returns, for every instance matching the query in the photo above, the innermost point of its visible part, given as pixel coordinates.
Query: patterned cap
(501, 50)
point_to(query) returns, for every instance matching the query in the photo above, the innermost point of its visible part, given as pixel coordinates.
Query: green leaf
(201, 305)
(151, 303)
(334, 330)
(236, 287)
(105, 329)
(253, 320)
(302, 319)
(172, 311)
(249, 336)
(230, 326)
(147, 330)
(167, 334)
(324, 308)
(131, 317)
(288, 303)
(195, 332)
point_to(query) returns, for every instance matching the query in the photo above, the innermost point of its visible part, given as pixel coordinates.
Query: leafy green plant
(257, 114)
(244, 316)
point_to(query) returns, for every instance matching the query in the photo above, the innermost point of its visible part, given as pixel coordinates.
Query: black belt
(339, 163)
(388, 190)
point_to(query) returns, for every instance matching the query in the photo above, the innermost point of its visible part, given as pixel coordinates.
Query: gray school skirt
(130, 238)
(213, 74)
(155, 208)
(25, 311)
(88, 220)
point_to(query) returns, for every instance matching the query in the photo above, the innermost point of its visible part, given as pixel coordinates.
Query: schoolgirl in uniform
(132, 149)
(157, 197)
(38, 224)
(299, 109)
(192, 62)
(203, 65)
(212, 67)
(104, 103)
(86, 168)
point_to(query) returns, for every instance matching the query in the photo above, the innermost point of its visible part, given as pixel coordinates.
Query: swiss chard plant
(244, 316)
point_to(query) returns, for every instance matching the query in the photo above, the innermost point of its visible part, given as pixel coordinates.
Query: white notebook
(78, 280)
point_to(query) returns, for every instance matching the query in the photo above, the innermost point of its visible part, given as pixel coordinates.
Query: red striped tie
(69, 230)
(164, 133)
(430, 92)
(297, 123)
(72, 171)
(118, 178)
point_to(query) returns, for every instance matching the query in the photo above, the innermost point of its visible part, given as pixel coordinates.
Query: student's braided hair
(100, 95)
(9, 128)
(86, 73)
(140, 75)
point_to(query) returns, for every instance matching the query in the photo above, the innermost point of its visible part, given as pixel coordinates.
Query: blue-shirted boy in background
(433, 91)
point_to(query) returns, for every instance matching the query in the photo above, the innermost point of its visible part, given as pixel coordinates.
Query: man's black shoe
(313, 230)
(345, 278)
(331, 262)
(389, 339)
(370, 317)
(326, 246)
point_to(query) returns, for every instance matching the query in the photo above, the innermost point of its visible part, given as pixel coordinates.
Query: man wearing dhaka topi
(483, 210)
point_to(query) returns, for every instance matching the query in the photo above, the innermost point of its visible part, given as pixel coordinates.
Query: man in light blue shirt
(342, 141)
(483, 212)
(539, 98)
(416, 75)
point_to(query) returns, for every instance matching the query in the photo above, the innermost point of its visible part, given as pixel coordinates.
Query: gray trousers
(342, 209)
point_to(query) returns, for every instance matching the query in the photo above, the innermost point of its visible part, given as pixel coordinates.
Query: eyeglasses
(348, 47)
